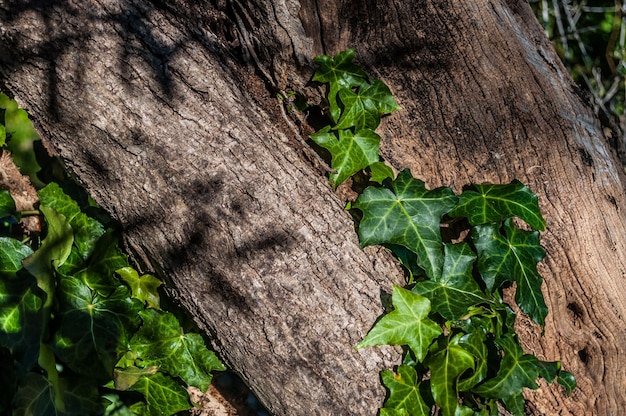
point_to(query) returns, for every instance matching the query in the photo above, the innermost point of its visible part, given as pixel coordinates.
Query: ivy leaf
(406, 395)
(493, 203)
(475, 343)
(124, 378)
(363, 107)
(142, 287)
(380, 171)
(339, 72)
(86, 230)
(393, 412)
(447, 361)
(515, 404)
(163, 395)
(455, 291)
(160, 342)
(351, 152)
(12, 252)
(408, 215)
(567, 380)
(517, 370)
(94, 329)
(512, 256)
(407, 324)
(7, 204)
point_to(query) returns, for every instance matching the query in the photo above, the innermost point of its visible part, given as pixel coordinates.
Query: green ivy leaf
(163, 395)
(475, 344)
(35, 396)
(142, 287)
(94, 329)
(380, 171)
(7, 204)
(12, 252)
(515, 404)
(407, 324)
(339, 72)
(447, 361)
(567, 380)
(125, 378)
(363, 108)
(86, 230)
(160, 342)
(455, 291)
(517, 370)
(512, 256)
(406, 395)
(408, 215)
(351, 152)
(394, 412)
(489, 203)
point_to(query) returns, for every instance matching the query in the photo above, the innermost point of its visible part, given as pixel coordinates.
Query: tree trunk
(166, 112)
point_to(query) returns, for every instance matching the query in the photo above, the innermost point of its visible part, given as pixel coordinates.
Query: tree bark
(166, 112)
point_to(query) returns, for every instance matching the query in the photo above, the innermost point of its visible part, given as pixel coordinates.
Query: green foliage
(81, 332)
(356, 105)
(462, 352)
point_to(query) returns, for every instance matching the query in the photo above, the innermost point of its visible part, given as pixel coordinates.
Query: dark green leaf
(86, 230)
(515, 404)
(94, 329)
(35, 396)
(339, 72)
(363, 107)
(406, 394)
(351, 152)
(142, 287)
(475, 343)
(567, 380)
(7, 205)
(489, 203)
(163, 395)
(512, 256)
(160, 342)
(517, 370)
(407, 324)
(408, 215)
(455, 291)
(447, 361)
(12, 252)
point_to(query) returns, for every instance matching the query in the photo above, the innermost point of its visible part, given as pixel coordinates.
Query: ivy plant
(462, 354)
(81, 331)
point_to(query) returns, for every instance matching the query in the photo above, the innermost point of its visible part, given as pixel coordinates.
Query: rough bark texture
(165, 112)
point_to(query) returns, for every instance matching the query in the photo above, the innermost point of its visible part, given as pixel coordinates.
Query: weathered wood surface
(166, 113)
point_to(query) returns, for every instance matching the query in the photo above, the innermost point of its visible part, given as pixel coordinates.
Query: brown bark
(165, 112)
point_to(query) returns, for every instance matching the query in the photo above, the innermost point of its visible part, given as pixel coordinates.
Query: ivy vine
(462, 354)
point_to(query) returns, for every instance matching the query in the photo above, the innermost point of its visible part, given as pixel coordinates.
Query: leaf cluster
(462, 353)
(81, 331)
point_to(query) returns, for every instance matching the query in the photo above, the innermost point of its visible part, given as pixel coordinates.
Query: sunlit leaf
(380, 171)
(363, 107)
(409, 215)
(12, 252)
(489, 203)
(351, 152)
(407, 395)
(161, 342)
(142, 287)
(163, 395)
(512, 255)
(455, 291)
(407, 324)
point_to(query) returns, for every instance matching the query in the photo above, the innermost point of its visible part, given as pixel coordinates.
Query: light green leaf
(517, 370)
(12, 252)
(380, 171)
(339, 72)
(163, 395)
(512, 256)
(407, 324)
(406, 395)
(394, 412)
(124, 378)
(350, 152)
(455, 291)
(94, 329)
(7, 204)
(363, 107)
(86, 230)
(493, 203)
(3, 134)
(142, 287)
(447, 361)
(160, 342)
(408, 215)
